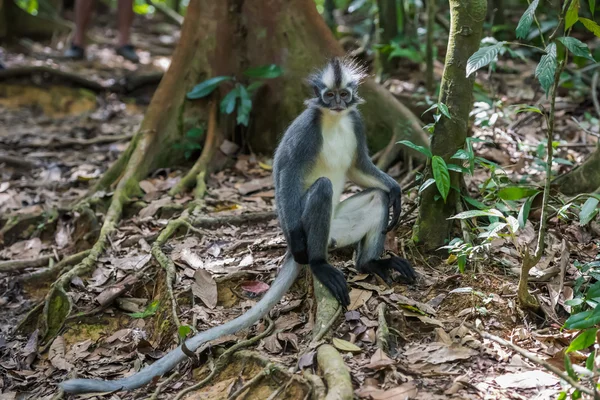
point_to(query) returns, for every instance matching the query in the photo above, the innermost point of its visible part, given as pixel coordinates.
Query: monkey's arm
(287, 275)
(366, 174)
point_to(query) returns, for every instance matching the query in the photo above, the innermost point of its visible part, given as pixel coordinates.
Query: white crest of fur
(351, 72)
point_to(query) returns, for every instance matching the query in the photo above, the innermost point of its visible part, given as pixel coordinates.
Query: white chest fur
(337, 152)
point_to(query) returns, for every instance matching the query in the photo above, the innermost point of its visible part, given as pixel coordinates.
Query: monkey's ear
(317, 91)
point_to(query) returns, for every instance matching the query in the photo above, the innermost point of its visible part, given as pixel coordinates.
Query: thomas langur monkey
(323, 147)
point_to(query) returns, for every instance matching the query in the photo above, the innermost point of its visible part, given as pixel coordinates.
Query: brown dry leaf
(255, 185)
(344, 345)
(26, 249)
(62, 236)
(272, 344)
(290, 338)
(358, 297)
(405, 391)
(147, 186)
(205, 288)
(403, 300)
(527, 380)
(192, 259)
(153, 207)
(56, 354)
(380, 360)
(438, 353)
(287, 322)
(423, 318)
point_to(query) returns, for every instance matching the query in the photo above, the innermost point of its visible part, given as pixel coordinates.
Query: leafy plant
(191, 141)
(149, 311)
(237, 99)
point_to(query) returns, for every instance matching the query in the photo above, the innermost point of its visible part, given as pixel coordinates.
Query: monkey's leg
(316, 220)
(360, 220)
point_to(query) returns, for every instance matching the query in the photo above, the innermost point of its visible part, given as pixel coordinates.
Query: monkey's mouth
(338, 109)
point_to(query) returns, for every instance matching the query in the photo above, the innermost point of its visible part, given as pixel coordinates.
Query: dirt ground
(59, 137)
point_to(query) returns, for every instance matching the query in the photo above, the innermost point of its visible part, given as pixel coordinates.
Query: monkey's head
(336, 85)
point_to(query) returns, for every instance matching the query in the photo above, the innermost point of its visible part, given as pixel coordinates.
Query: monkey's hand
(394, 202)
(298, 246)
(333, 279)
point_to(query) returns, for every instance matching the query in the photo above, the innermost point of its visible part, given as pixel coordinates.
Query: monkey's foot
(383, 266)
(333, 279)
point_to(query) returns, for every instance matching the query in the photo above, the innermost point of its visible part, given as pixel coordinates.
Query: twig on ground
(255, 379)
(383, 332)
(68, 142)
(161, 386)
(172, 15)
(532, 358)
(21, 265)
(224, 359)
(18, 162)
(210, 222)
(56, 269)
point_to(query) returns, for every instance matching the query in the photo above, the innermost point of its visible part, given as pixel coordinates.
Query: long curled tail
(283, 282)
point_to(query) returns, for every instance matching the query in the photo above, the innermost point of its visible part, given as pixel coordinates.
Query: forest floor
(62, 137)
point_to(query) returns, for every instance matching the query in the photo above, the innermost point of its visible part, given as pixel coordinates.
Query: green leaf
(444, 110)
(150, 310)
(576, 395)
(462, 262)
(524, 211)
(205, 88)
(588, 211)
(346, 346)
(420, 149)
(592, 4)
(441, 176)
(482, 57)
(594, 291)
(527, 108)
(254, 85)
(427, 183)
(582, 320)
(583, 340)
(574, 302)
(591, 26)
(526, 20)
(477, 213)
(589, 363)
(572, 14)
(457, 168)
(577, 47)
(516, 192)
(194, 133)
(432, 107)
(184, 331)
(228, 102)
(569, 369)
(562, 396)
(243, 114)
(547, 67)
(461, 155)
(475, 203)
(266, 71)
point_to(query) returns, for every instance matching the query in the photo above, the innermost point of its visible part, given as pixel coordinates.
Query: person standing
(83, 13)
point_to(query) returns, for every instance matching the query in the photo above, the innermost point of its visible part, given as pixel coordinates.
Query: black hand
(298, 246)
(333, 279)
(394, 202)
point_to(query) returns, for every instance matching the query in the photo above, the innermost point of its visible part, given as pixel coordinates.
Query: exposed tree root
(69, 142)
(337, 377)
(225, 358)
(165, 262)
(18, 162)
(161, 386)
(328, 310)
(585, 178)
(21, 265)
(254, 381)
(211, 222)
(383, 332)
(318, 387)
(196, 175)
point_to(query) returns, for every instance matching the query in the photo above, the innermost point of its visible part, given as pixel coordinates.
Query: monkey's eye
(329, 94)
(344, 94)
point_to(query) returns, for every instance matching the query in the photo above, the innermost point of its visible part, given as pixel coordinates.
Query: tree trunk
(388, 30)
(433, 227)
(584, 178)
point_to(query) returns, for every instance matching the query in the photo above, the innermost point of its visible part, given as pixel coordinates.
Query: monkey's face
(336, 86)
(337, 100)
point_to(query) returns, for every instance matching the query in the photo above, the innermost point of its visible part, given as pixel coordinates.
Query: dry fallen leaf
(205, 288)
(56, 354)
(405, 391)
(358, 297)
(344, 345)
(527, 380)
(192, 259)
(380, 360)
(438, 353)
